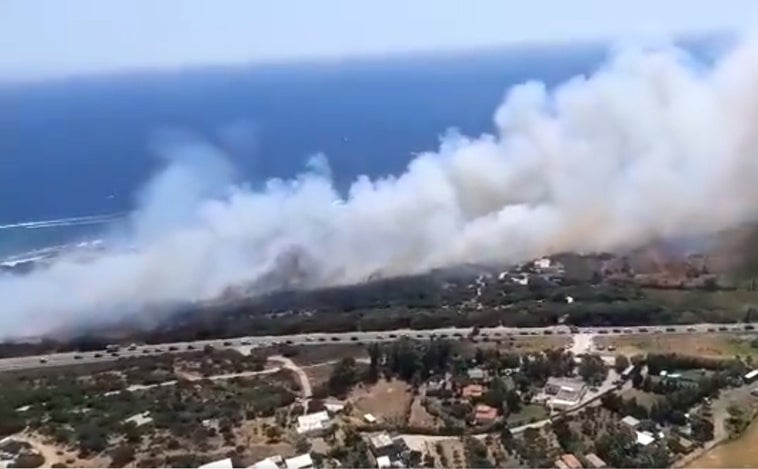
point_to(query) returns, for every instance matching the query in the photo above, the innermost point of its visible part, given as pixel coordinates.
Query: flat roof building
(303, 461)
(630, 421)
(221, 463)
(564, 392)
(472, 391)
(485, 414)
(571, 461)
(594, 461)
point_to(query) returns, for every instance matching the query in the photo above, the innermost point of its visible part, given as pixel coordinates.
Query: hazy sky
(51, 38)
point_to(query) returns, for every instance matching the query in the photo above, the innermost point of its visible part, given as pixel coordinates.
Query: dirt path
(581, 343)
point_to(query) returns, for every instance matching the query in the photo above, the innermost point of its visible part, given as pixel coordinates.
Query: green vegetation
(90, 411)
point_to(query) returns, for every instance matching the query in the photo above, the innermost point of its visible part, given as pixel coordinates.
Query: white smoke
(652, 145)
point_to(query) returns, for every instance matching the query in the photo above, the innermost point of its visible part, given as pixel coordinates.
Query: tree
(702, 429)
(343, 377)
(375, 356)
(122, 455)
(621, 363)
(592, 370)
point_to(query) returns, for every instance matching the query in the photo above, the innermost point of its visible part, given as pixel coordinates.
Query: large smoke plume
(652, 145)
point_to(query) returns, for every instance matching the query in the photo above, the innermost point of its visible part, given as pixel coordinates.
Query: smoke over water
(650, 146)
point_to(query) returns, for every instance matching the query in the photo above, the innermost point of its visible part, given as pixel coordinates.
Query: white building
(267, 463)
(314, 424)
(303, 461)
(630, 421)
(645, 438)
(222, 463)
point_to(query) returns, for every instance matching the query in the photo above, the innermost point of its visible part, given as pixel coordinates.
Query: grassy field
(712, 345)
(527, 414)
(520, 344)
(388, 401)
(645, 399)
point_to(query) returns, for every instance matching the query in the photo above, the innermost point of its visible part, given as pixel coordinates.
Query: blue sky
(42, 39)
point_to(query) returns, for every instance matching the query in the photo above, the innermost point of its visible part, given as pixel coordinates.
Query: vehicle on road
(145, 350)
(723, 328)
(322, 339)
(670, 329)
(77, 357)
(227, 343)
(43, 360)
(98, 355)
(749, 327)
(247, 342)
(114, 354)
(173, 348)
(642, 330)
(335, 339)
(132, 347)
(354, 338)
(190, 347)
(111, 348)
(690, 329)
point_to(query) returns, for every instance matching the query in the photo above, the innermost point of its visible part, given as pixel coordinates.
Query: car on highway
(158, 350)
(114, 354)
(627, 331)
(749, 327)
(190, 347)
(335, 339)
(77, 357)
(603, 331)
(443, 336)
(227, 343)
(642, 330)
(173, 348)
(393, 336)
(354, 338)
(723, 328)
(690, 329)
(98, 355)
(616, 331)
(322, 339)
(670, 329)
(247, 342)
(309, 339)
(43, 360)
(145, 350)
(711, 329)
(547, 332)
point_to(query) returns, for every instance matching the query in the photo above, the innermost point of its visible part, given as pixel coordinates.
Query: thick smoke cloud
(652, 145)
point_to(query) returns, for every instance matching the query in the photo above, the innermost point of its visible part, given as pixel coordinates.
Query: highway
(485, 334)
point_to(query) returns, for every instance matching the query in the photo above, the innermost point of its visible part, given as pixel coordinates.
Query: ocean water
(74, 153)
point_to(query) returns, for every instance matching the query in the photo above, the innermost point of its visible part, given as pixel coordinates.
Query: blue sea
(74, 152)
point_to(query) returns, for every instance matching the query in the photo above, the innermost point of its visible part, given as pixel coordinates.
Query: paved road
(485, 333)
